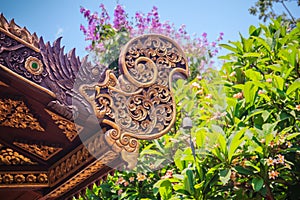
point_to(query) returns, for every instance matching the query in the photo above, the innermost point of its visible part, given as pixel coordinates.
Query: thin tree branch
(286, 8)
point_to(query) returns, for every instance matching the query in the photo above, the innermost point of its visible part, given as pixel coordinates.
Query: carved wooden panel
(76, 159)
(40, 150)
(83, 175)
(23, 179)
(139, 104)
(69, 128)
(10, 157)
(14, 113)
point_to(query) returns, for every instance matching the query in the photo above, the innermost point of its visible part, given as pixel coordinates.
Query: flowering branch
(100, 30)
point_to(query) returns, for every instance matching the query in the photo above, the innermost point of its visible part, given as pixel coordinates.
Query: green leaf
(253, 75)
(265, 115)
(225, 176)
(268, 127)
(294, 86)
(291, 136)
(200, 137)
(250, 164)
(189, 106)
(188, 181)
(235, 143)
(279, 82)
(220, 137)
(165, 189)
(177, 159)
(231, 48)
(251, 29)
(256, 55)
(158, 162)
(150, 152)
(257, 183)
(249, 92)
(262, 42)
(243, 170)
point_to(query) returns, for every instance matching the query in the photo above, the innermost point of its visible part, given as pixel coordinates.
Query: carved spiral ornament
(139, 104)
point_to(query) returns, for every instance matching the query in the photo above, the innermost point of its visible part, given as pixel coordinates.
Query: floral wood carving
(84, 174)
(76, 159)
(11, 157)
(139, 103)
(69, 128)
(16, 114)
(24, 179)
(42, 151)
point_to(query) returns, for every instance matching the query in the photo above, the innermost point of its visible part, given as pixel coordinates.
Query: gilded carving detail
(22, 179)
(69, 128)
(18, 33)
(84, 174)
(76, 159)
(140, 104)
(15, 113)
(34, 65)
(11, 157)
(42, 151)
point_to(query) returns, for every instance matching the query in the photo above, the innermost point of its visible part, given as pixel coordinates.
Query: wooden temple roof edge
(148, 77)
(18, 33)
(58, 72)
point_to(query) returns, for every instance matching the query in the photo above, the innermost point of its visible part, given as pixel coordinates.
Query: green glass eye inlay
(34, 65)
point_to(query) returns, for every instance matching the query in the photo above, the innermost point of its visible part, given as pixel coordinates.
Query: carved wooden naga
(139, 104)
(136, 105)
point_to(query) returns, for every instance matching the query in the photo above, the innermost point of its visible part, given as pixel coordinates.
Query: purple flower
(199, 49)
(104, 19)
(182, 30)
(87, 13)
(220, 37)
(82, 28)
(120, 18)
(82, 9)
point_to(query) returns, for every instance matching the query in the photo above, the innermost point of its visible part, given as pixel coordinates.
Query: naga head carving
(139, 104)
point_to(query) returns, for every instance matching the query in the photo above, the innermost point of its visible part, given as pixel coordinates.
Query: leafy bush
(244, 143)
(251, 150)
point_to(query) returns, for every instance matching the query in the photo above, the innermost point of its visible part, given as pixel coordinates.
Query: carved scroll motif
(84, 174)
(11, 157)
(69, 128)
(139, 104)
(76, 159)
(14, 113)
(42, 151)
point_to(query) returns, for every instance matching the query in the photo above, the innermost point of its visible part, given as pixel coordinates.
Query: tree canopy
(265, 10)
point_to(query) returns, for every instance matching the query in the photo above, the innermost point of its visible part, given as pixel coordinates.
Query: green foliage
(265, 10)
(245, 139)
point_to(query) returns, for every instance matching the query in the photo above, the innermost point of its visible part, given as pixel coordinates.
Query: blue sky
(54, 18)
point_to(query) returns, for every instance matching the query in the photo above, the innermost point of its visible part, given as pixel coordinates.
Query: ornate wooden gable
(65, 123)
